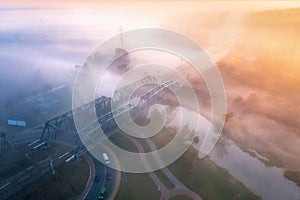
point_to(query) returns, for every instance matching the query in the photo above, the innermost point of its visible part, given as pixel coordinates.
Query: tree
(229, 116)
(190, 157)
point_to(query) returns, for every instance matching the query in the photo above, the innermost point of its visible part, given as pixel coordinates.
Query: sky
(63, 33)
(130, 13)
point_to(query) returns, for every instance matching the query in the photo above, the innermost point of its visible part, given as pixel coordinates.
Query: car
(105, 158)
(102, 193)
(108, 176)
(97, 178)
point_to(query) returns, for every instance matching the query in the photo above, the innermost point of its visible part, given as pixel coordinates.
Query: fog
(39, 49)
(261, 77)
(35, 64)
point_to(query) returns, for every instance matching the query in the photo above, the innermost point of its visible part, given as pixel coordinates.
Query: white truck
(105, 158)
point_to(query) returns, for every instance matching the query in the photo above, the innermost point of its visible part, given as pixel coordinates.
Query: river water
(266, 182)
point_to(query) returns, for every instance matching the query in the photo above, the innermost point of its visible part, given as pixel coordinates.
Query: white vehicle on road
(106, 158)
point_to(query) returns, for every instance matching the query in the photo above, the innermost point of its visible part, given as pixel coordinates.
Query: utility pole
(52, 167)
(3, 140)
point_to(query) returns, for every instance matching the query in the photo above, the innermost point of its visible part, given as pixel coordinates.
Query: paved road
(111, 185)
(100, 180)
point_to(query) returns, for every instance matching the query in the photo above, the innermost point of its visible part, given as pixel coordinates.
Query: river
(267, 182)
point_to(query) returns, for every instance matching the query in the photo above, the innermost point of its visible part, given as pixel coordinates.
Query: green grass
(119, 140)
(144, 144)
(164, 137)
(68, 183)
(23, 161)
(293, 175)
(76, 174)
(207, 179)
(164, 179)
(180, 197)
(140, 186)
(14, 167)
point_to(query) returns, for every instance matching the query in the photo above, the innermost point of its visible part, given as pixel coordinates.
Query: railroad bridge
(62, 128)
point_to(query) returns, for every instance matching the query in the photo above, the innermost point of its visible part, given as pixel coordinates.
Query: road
(100, 180)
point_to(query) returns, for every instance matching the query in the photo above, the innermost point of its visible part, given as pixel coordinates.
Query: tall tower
(120, 50)
(121, 55)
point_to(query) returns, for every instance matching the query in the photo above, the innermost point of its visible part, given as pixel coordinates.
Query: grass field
(22, 161)
(68, 183)
(144, 144)
(119, 140)
(207, 179)
(139, 186)
(164, 179)
(180, 197)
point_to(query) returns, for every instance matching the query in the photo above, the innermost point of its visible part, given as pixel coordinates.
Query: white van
(106, 158)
